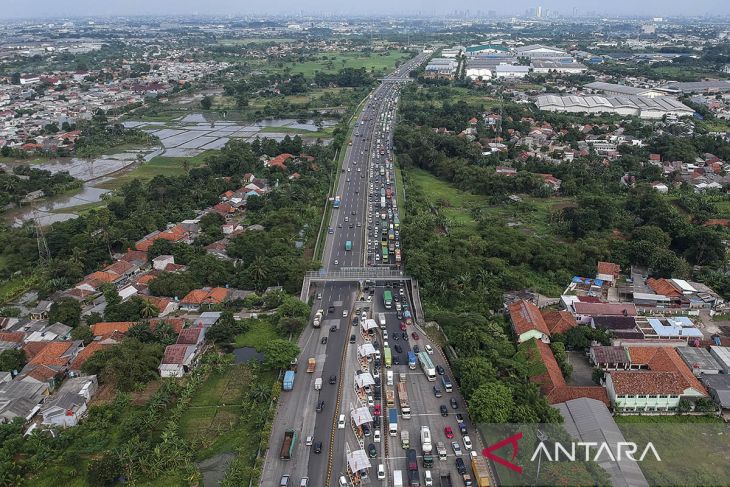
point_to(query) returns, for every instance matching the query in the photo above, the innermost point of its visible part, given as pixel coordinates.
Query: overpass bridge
(359, 275)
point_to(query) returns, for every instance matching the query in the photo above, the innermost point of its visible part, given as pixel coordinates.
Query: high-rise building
(538, 12)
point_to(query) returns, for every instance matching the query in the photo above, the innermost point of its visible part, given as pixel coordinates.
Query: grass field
(158, 166)
(260, 332)
(455, 204)
(214, 418)
(333, 62)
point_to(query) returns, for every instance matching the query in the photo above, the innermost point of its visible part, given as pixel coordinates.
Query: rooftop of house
(106, 328)
(525, 317)
(605, 309)
(215, 295)
(559, 321)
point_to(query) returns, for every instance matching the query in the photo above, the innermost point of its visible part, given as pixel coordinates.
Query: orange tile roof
(119, 267)
(609, 268)
(106, 328)
(552, 377)
(159, 302)
(526, 316)
(663, 287)
(32, 349)
(85, 353)
(665, 359)
(200, 296)
(146, 278)
(52, 354)
(196, 296)
(559, 321)
(723, 222)
(176, 324)
(102, 276)
(132, 255)
(42, 373)
(280, 160)
(568, 393)
(647, 382)
(12, 336)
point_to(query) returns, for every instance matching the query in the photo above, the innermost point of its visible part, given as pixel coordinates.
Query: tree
(12, 359)
(597, 375)
(15, 78)
(279, 353)
(104, 471)
(225, 329)
(473, 372)
(126, 365)
(206, 102)
(66, 311)
(491, 403)
(83, 333)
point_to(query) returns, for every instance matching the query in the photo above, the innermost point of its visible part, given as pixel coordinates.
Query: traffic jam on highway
(384, 408)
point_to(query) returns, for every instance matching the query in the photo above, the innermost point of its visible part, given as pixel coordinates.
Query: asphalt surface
(358, 209)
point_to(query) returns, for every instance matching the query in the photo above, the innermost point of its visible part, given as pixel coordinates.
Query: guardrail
(355, 273)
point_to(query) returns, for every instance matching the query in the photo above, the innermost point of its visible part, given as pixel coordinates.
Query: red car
(414, 335)
(402, 326)
(376, 410)
(448, 432)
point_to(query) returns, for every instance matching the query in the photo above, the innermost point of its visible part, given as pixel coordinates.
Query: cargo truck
(311, 365)
(405, 439)
(426, 447)
(289, 376)
(393, 422)
(382, 201)
(405, 407)
(441, 450)
(318, 318)
(387, 299)
(388, 357)
(287, 446)
(317, 383)
(389, 396)
(481, 471)
(397, 478)
(445, 478)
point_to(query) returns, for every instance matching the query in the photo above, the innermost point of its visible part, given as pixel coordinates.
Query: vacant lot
(333, 62)
(158, 166)
(260, 332)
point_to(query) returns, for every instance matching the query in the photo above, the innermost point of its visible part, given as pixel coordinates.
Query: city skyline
(51, 9)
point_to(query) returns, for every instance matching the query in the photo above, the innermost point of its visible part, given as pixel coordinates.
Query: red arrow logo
(512, 440)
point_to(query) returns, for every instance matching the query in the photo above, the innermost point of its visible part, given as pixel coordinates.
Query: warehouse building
(649, 108)
(550, 66)
(711, 86)
(538, 51)
(509, 71)
(613, 89)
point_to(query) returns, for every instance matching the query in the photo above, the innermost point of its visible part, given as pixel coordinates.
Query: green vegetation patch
(260, 333)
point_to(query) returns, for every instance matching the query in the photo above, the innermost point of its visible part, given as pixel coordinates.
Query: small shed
(699, 360)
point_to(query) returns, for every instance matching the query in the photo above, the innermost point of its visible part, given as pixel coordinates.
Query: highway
(360, 220)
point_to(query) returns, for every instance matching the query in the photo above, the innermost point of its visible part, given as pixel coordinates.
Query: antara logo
(591, 451)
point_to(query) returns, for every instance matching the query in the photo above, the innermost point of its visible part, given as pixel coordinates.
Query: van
(284, 482)
(389, 379)
(428, 478)
(446, 383)
(343, 481)
(304, 482)
(397, 478)
(341, 422)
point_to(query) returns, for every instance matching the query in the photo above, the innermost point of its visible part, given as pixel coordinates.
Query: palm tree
(149, 310)
(260, 393)
(258, 269)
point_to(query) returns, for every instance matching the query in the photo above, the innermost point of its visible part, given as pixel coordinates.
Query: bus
(385, 252)
(348, 245)
(387, 299)
(388, 357)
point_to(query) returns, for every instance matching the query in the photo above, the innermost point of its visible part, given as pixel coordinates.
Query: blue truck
(411, 360)
(393, 422)
(289, 380)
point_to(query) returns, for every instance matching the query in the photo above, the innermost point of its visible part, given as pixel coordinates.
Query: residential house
(70, 403)
(527, 322)
(558, 321)
(161, 261)
(105, 329)
(40, 311)
(608, 271)
(202, 298)
(583, 312)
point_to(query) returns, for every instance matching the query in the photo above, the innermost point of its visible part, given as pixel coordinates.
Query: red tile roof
(174, 234)
(609, 268)
(205, 296)
(280, 160)
(102, 276)
(723, 222)
(553, 385)
(84, 354)
(605, 309)
(647, 382)
(32, 349)
(189, 336)
(134, 255)
(12, 336)
(119, 267)
(106, 328)
(175, 354)
(175, 323)
(526, 316)
(52, 354)
(665, 359)
(663, 287)
(559, 321)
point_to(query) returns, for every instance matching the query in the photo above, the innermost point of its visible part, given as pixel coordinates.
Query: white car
(344, 313)
(308, 441)
(467, 442)
(376, 436)
(371, 403)
(428, 478)
(429, 349)
(381, 472)
(385, 334)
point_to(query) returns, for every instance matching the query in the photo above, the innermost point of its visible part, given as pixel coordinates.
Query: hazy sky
(66, 8)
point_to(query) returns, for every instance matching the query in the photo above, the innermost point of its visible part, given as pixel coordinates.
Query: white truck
(317, 383)
(397, 478)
